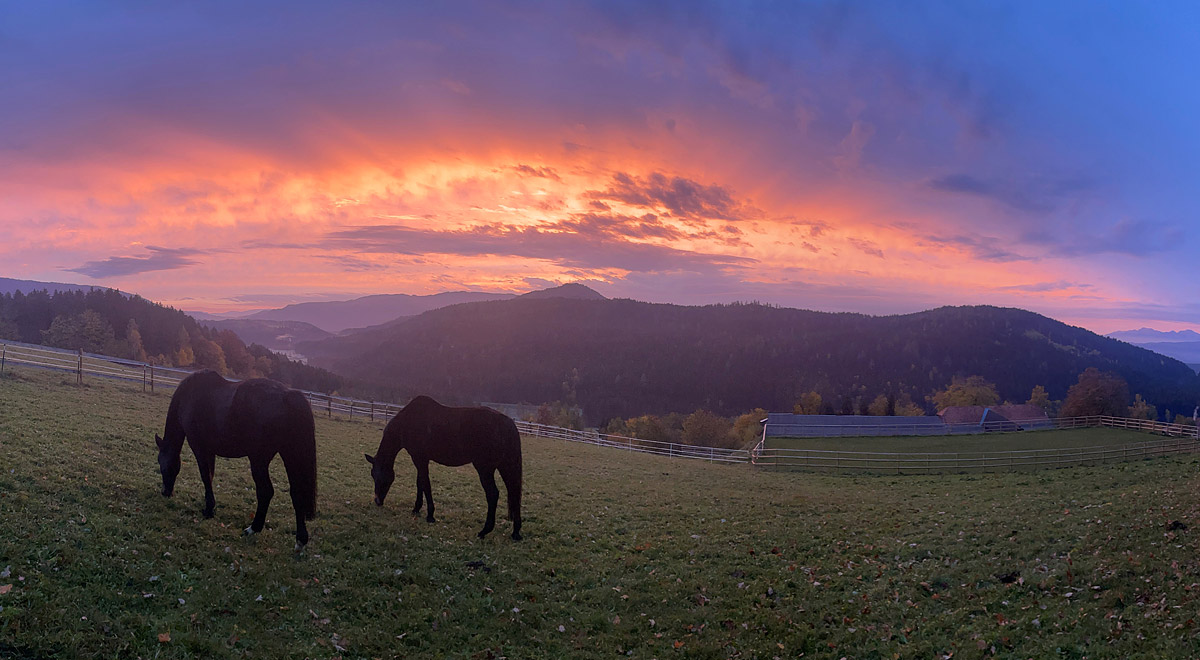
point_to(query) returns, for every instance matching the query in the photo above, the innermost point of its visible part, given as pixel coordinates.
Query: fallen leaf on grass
(5, 589)
(163, 638)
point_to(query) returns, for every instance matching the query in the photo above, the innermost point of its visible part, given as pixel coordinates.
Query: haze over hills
(625, 358)
(336, 316)
(1149, 335)
(1183, 345)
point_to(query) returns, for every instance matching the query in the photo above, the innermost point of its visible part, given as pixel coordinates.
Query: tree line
(1095, 393)
(108, 322)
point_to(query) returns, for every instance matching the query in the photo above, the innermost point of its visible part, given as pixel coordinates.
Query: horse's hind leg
(260, 470)
(487, 478)
(207, 465)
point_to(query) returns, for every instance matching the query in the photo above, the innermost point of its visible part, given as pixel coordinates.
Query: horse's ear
(158, 441)
(370, 459)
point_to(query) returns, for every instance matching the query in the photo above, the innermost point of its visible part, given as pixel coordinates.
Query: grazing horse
(453, 436)
(256, 418)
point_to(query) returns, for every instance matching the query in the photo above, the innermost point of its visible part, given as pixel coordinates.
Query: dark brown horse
(453, 436)
(256, 418)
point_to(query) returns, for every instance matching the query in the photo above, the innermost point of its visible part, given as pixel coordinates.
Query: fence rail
(676, 450)
(1184, 437)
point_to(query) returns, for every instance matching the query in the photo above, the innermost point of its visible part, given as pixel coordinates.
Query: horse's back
(455, 435)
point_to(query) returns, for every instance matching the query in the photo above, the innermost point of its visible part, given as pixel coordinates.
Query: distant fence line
(152, 377)
(1184, 438)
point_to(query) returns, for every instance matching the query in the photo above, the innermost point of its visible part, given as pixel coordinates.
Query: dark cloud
(537, 172)
(679, 197)
(1031, 195)
(159, 259)
(1046, 287)
(867, 247)
(985, 248)
(1138, 238)
(588, 243)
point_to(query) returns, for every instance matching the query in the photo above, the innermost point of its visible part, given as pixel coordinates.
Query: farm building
(952, 420)
(1012, 417)
(824, 426)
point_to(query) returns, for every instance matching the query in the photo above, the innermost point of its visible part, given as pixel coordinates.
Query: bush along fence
(1180, 438)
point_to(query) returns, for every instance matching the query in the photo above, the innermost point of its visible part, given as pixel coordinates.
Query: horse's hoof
(207, 513)
(249, 531)
(482, 534)
(430, 519)
(300, 547)
(516, 537)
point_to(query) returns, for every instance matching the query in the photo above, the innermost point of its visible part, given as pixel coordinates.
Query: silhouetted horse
(257, 418)
(453, 436)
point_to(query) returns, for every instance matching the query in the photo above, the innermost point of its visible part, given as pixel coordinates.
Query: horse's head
(168, 465)
(384, 475)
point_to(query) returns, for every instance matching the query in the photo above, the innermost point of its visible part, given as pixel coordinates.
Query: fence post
(143, 378)
(152, 379)
(372, 411)
(3, 357)
(79, 367)
(329, 406)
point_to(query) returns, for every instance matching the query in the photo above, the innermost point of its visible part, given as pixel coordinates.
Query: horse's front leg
(487, 478)
(259, 469)
(424, 489)
(207, 464)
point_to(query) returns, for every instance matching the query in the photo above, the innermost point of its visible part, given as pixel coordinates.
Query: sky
(874, 157)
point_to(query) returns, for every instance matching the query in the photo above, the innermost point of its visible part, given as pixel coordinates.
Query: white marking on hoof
(249, 531)
(299, 547)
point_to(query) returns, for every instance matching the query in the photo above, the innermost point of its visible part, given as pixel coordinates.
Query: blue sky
(873, 157)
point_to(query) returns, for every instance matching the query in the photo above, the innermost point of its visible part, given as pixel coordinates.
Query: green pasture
(625, 555)
(982, 442)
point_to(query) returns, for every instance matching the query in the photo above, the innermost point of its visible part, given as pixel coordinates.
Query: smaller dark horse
(257, 418)
(453, 436)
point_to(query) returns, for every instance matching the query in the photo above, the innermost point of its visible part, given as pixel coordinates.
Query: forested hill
(625, 358)
(108, 322)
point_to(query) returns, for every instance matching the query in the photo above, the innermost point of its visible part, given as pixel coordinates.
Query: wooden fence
(1183, 438)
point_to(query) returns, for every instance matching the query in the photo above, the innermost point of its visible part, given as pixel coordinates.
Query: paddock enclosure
(625, 554)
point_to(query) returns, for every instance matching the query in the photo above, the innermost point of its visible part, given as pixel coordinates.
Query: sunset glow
(847, 157)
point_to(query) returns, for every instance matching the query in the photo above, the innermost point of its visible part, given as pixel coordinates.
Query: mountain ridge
(623, 358)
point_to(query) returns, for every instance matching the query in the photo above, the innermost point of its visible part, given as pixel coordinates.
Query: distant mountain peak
(1150, 335)
(570, 290)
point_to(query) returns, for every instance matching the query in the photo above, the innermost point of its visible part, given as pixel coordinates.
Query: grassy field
(984, 442)
(625, 555)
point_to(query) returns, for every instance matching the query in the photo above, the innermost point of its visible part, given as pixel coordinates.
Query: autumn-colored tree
(882, 405)
(133, 342)
(87, 331)
(906, 408)
(971, 391)
(747, 428)
(809, 404)
(209, 355)
(1142, 409)
(1097, 393)
(1040, 398)
(705, 429)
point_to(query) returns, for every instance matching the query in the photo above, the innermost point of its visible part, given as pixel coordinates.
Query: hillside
(625, 358)
(275, 335)
(337, 316)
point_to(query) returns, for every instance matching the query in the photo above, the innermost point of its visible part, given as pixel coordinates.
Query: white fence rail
(676, 450)
(1185, 438)
(1182, 439)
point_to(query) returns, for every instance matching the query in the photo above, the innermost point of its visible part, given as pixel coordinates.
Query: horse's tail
(510, 472)
(300, 455)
